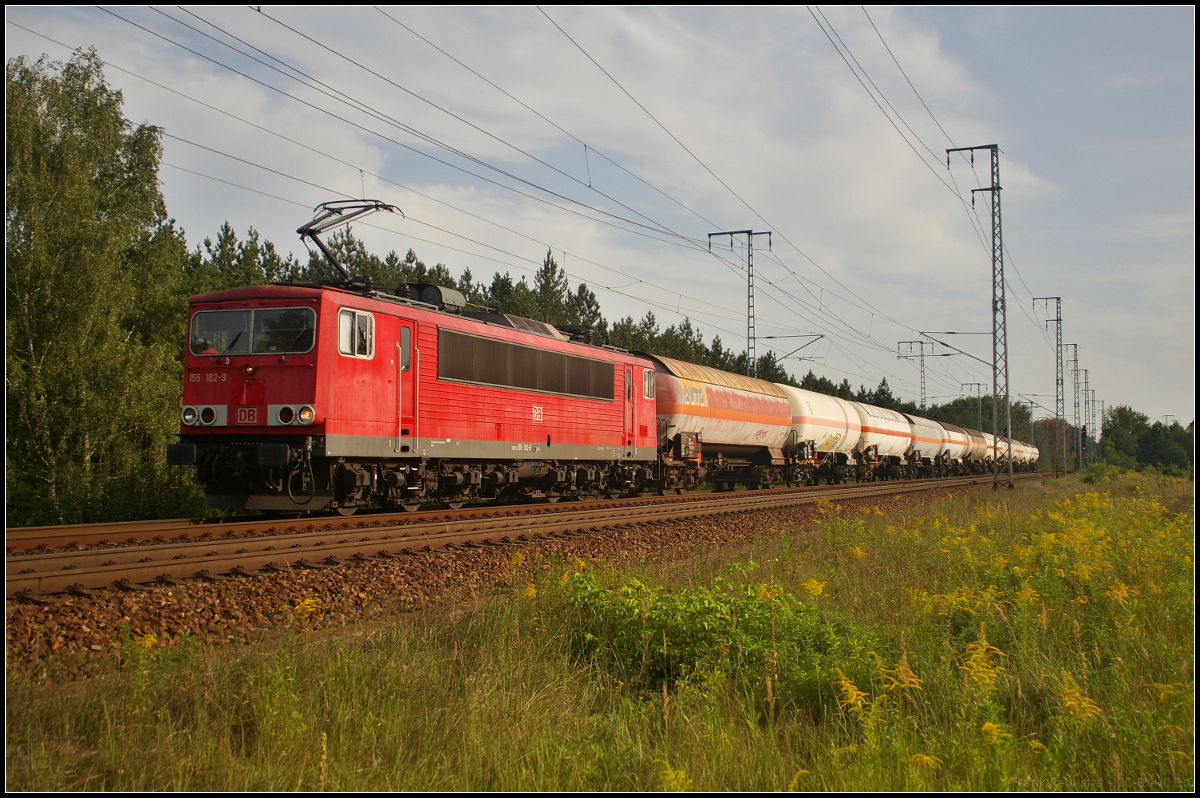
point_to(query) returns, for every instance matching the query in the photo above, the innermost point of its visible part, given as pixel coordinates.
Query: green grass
(1034, 639)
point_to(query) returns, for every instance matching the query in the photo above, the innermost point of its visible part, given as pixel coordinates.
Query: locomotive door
(406, 388)
(629, 411)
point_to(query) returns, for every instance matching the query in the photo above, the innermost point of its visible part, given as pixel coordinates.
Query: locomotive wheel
(455, 505)
(347, 511)
(553, 499)
(411, 508)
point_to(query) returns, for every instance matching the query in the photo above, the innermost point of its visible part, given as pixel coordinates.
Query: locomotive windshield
(258, 332)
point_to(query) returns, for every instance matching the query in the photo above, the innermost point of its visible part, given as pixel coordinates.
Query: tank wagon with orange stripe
(925, 454)
(739, 428)
(886, 437)
(827, 430)
(957, 450)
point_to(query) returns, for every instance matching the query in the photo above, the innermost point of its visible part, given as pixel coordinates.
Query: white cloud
(759, 95)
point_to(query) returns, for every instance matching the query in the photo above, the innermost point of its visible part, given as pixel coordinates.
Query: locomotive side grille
(467, 358)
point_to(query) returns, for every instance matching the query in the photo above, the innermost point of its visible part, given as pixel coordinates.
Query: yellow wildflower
(674, 780)
(993, 734)
(307, 606)
(1164, 691)
(858, 551)
(1078, 706)
(849, 749)
(925, 761)
(530, 591)
(1120, 592)
(517, 560)
(1027, 595)
(796, 780)
(146, 641)
(853, 699)
(980, 668)
(768, 593)
(813, 587)
(901, 676)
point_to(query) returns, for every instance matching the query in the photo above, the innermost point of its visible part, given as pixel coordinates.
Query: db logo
(247, 415)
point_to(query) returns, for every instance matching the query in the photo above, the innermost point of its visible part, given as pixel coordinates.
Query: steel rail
(43, 574)
(25, 538)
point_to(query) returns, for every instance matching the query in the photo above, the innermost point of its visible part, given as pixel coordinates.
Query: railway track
(327, 542)
(41, 538)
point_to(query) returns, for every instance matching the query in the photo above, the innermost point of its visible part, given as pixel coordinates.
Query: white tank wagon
(739, 426)
(826, 431)
(1025, 456)
(1034, 454)
(956, 449)
(924, 454)
(997, 448)
(884, 438)
(976, 457)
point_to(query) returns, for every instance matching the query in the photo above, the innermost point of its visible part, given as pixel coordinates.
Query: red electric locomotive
(304, 396)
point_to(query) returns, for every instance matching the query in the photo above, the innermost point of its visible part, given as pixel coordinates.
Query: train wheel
(411, 508)
(347, 511)
(553, 499)
(455, 505)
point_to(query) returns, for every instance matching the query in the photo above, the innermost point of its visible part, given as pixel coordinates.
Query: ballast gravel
(74, 636)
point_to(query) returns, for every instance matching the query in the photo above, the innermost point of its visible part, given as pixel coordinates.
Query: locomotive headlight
(306, 415)
(208, 415)
(190, 416)
(286, 415)
(249, 369)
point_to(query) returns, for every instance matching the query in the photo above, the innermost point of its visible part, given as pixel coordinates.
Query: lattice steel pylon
(1075, 392)
(751, 359)
(1060, 397)
(921, 359)
(1087, 413)
(999, 313)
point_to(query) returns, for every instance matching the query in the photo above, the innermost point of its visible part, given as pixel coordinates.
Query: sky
(619, 138)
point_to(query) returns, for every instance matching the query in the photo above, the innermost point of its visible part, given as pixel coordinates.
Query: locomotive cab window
(356, 334)
(648, 384)
(258, 332)
(405, 348)
(283, 330)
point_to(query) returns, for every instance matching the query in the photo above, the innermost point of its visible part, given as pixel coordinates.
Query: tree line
(1131, 442)
(98, 277)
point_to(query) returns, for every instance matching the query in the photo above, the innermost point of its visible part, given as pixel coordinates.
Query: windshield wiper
(234, 341)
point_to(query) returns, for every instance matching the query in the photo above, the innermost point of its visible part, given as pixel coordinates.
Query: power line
(868, 340)
(689, 244)
(549, 121)
(716, 177)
